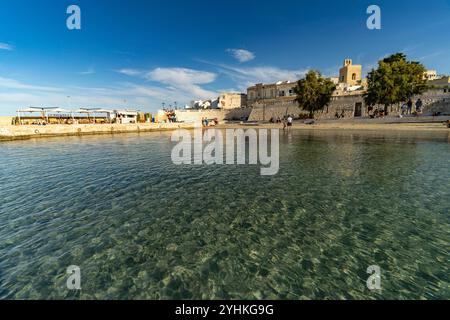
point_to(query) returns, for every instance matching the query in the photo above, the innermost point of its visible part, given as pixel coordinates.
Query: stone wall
(190, 116)
(6, 121)
(433, 100)
(436, 101)
(264, 112)
(344, 106)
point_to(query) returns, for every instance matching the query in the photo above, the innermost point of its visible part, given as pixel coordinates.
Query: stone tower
(350, 74)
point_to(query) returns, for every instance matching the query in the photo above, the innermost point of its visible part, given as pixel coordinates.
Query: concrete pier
(10, 132)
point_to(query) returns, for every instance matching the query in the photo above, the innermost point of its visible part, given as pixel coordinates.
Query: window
(354, 76)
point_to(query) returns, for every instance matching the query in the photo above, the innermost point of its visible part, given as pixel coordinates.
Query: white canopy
(31, 109)
(102, 111)
(58, 110)
(82, 111)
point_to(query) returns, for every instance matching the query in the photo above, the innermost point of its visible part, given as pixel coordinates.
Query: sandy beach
(364, 124)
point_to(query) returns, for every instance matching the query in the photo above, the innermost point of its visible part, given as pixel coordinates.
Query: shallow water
(140, 227)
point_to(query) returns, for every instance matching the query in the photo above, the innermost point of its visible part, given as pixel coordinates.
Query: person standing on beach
(410, 105)
(404, 109)
(419, 105)
(289, 122)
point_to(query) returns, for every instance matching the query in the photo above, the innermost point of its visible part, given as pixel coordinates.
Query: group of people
(171, 115)
(207, 123)
(407, 108)
(275, 120)
(286, 121)
(339, 116)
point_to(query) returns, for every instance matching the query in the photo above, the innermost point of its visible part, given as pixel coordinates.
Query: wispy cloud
(431, 55)
(89, 71)
(248, 76)
(7, 83)
(185, 80)
(109, 97)
(6, 46)
(181, 76)
(130, 72)
(15, 94)
(241, 55)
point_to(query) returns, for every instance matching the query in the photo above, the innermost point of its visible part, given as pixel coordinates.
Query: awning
(82, 111)
(101, 111)
(31, 109)
(58, 110)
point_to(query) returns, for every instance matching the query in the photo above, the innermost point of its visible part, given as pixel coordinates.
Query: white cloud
(181, 82)
(6, 46)
(249, 76)
(130, 72)
(15, 95)
(242, 55)
(158, 93)
(181, 76)
(87, 72)
(186, 81)
(6, 83)
(163, 85)
(176, 84)
(113, 97)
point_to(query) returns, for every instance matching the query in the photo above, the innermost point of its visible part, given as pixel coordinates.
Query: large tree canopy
(396, 80)
(314, 92)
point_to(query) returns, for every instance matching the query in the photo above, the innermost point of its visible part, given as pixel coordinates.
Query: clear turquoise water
(140, 227)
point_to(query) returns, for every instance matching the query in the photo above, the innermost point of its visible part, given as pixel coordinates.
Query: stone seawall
(350, 107)
(5, 121)
(263, 112)
(190, 116)
(10, 132)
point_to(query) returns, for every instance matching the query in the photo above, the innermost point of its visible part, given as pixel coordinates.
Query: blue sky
(138, 54)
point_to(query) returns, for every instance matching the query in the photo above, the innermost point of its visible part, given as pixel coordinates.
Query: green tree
(314, 92)
(396, 80)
